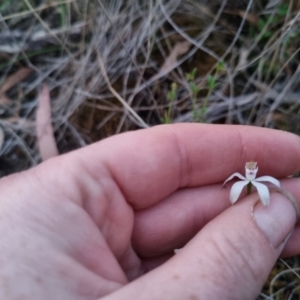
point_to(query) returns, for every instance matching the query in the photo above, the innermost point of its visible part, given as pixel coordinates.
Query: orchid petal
(233, 175)
(263, 192)
(236, 190)
(269, 179)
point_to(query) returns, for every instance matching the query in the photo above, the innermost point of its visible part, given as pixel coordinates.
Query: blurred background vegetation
(118, 65)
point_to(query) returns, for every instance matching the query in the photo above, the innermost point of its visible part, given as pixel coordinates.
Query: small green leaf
(194, 88)
(261, 24)
(267, 34)
(193, 74)
(211, 82)
(220, 66)
(283, 10)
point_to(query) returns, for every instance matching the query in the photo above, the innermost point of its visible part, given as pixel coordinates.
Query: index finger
(150, 164)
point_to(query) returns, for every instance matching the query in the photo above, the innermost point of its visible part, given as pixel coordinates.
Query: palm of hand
(82, 249)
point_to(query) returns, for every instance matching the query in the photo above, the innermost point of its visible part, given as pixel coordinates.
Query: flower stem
(249, 188)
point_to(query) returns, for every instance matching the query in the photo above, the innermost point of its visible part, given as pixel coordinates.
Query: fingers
(174, 221)
(230, 258)
(293, 247)
(142, 168)
(148, 165)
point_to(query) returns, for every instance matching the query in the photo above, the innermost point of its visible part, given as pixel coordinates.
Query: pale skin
(86, 224)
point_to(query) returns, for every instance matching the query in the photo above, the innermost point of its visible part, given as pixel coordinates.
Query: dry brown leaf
(4, 100)
(18, 121)
(10, 82)
(14, 79)
(45, 135)
(251, 18)
(179, 49)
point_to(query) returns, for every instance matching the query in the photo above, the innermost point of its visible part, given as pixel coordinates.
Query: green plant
(63, 14)
(269, 34)
(198, 114)
(4, 4)
(212, 85)
(190, 77)
(267, 24)
(172, 95)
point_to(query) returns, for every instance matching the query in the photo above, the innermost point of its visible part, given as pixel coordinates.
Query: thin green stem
(249, 188)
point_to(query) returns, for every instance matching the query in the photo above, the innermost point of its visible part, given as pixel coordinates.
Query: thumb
(230, 258)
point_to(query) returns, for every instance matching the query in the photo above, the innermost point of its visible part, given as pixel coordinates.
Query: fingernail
(277, 220)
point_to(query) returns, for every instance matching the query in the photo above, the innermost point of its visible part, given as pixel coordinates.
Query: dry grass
(114, 66)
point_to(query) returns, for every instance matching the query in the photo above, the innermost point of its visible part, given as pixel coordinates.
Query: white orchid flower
(251, 170)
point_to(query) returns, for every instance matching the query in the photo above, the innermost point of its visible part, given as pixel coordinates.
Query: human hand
(86, 224)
